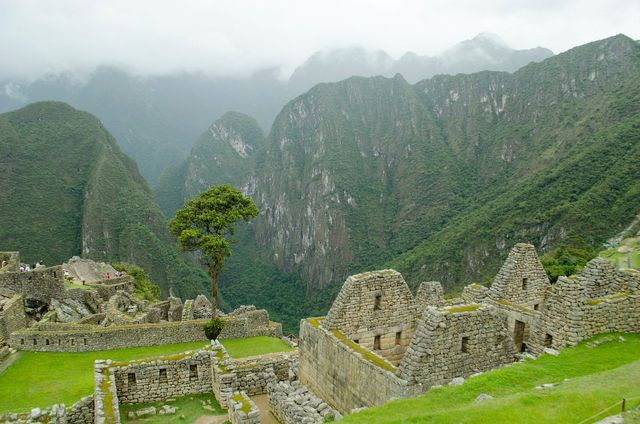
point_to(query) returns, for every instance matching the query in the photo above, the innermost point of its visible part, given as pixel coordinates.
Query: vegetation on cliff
(67, 190)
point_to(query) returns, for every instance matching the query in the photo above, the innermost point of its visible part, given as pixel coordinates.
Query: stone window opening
(85, 342)
(376, 302)
(55, 274)
(35, 342)
(73, 342)
(536, 307)
(131, 378)
(357, 341)
(398, 338)
(59, 342)
(376, 343)
(193, 371)
(548, 340)
(524, 283)
(46, 341)
(21, 341)
(163, 375)
(464, 347)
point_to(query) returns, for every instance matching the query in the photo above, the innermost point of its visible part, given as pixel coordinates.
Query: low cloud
(237, 37)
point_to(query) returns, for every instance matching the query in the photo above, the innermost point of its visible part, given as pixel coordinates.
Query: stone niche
(377, 311)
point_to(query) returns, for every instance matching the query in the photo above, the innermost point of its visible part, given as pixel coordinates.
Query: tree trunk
(214, 293)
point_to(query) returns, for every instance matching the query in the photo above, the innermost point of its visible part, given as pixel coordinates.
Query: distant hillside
(67, 190)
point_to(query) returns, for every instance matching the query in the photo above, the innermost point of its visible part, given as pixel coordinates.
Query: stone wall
(242, 410)
(105, 395)
(60, 337)
(162, 378)
(599, 299)
(474, 293)
(376, 310)
(81, 412)
(107, 288)
(90, 338)
(456, 342)
(429, 293)
(341, 376)
(522, 279)
(250, 375)
(12, 317)
(293, 403)
(41, 284)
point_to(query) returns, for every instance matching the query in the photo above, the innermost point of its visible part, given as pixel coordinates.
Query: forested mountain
(439, 179)
(156, 118)
(67, 190)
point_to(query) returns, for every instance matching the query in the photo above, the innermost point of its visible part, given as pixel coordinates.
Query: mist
(239, 37)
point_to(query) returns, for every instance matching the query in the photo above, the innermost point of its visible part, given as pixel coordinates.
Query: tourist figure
(107, 276)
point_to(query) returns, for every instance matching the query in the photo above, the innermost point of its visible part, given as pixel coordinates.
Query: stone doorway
(519, 336)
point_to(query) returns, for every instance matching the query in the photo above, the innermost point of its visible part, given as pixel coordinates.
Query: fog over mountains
(156, 119)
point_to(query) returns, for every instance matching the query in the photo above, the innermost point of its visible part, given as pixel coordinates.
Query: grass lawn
(251, 346)
(588, 381)
(190, 406)
(44, 378)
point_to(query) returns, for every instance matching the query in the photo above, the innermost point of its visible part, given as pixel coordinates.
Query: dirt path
(262, 401)
(207, 419)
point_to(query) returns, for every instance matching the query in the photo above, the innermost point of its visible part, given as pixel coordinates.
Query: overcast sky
(241, 36)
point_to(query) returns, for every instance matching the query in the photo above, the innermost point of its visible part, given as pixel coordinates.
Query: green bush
(145, 289)
(213, 328)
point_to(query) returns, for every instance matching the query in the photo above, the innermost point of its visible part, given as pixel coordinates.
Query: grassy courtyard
(44, 378)
(588, 380)
(188, 409)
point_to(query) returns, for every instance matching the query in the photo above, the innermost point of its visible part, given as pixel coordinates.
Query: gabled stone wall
(522, 279)
(377, 311)
(429, 293)
(456, 342)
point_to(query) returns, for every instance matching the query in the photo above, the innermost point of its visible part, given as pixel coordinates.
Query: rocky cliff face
(225, 153)
(359, 172)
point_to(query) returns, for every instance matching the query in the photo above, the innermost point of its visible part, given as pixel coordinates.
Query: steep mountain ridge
(432, 151)
(69, 190)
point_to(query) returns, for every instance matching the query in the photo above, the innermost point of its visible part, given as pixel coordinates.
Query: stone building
(378, 343)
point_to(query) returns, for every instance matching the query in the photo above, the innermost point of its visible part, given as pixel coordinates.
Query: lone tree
(205, 223)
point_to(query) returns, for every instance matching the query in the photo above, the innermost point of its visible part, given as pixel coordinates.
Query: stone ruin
(96, 313)
(378, 342)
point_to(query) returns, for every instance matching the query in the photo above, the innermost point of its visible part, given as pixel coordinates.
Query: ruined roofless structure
(378, 343)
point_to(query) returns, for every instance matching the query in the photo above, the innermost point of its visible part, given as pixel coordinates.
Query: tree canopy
(205, 223)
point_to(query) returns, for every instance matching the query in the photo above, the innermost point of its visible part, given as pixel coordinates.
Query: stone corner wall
(12, 317)
(343, 378)
(522, 278)
(81, 412)
(238, 402)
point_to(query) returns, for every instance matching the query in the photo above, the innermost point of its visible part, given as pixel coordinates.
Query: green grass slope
(587, 381)
(69, 190)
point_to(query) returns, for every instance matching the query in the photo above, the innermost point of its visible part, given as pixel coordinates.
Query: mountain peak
(489, 37)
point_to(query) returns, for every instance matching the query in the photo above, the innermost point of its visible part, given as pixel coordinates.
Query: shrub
(213, 328)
